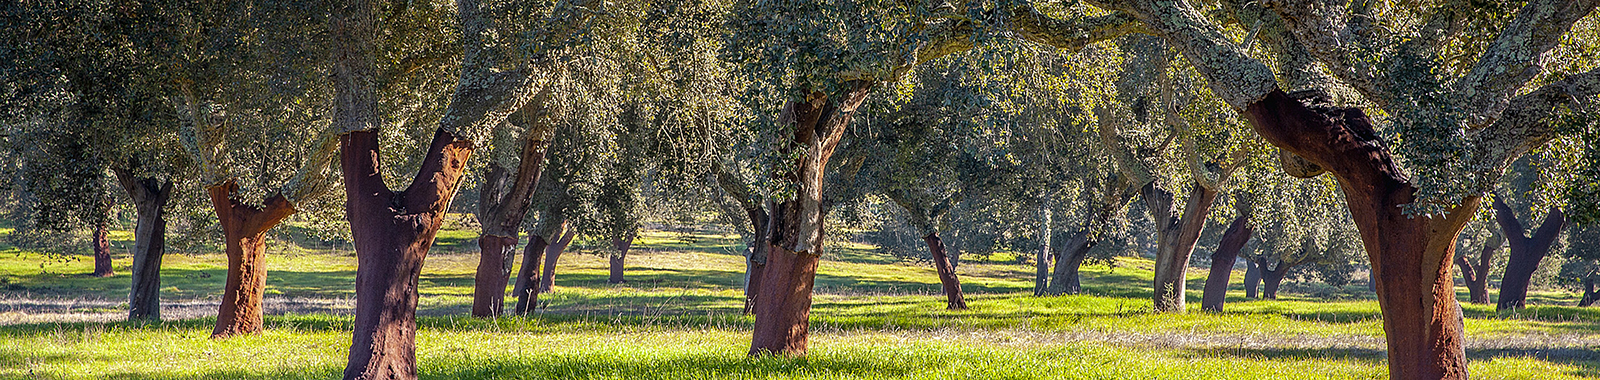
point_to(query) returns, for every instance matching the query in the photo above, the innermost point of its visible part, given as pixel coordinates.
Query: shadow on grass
(1586, 358)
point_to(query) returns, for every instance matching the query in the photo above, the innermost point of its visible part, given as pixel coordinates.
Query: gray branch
(1517, 55)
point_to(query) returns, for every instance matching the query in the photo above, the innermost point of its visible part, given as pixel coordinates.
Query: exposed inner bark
(1411, 255)
(528, 276)
(150, 198)
(1175, 239)
(501, 209)
(1476, 274)
(1526, 252)
(947, 273)
(783, 306)
(392, 233)
(1233, 239)
(102, 250)
(552, 254)
(1252, 279)
(621, 244)
(244, 229)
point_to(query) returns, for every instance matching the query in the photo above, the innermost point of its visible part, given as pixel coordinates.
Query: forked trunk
(1175, 239)
(150, 198)
(526, 288)
(1233, 239)
(552, 254)
(244, 230)
(501, 208)
(1070, 260)
(783, 306)
(621, 244)
(102, 250)
(1411, 255)
(954, 300)
(392, 233)
(1252, 279)
(1272, 278)
(1476, 274)
(1041, 262)
(1526, 252)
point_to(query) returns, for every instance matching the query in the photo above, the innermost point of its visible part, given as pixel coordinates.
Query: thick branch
(1341, 44)
(1517, 55)
(1234, 76)
(1527, 122)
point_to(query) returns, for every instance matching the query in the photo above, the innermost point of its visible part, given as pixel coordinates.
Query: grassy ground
(679, 317)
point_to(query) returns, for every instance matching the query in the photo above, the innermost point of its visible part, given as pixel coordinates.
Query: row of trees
(984, 122)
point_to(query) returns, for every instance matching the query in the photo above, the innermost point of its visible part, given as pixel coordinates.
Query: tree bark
(1175, 239)
(528, 276)
(393, 232)
(501, 209)
(244, 229)
(1041, 263)
(1526, 252)
(1411, 255)
(783, 306)
(1233, 239)
(1252, 279)
(1068, 262)
(102, 250)
(1475, 275)
(955, 300)
(621, 244)
(150, 198)
(552, 254)
(1589, 293)
(755, 258)
(1270, 281)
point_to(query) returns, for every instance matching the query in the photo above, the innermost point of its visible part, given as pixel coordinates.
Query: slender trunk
(1526, 252)
(528, 276)
(1175, 241)
(1233, 239)
(393, 232)
(1041, 276)
(1589, 293)
(755, 259)
(1411, 255)
(621, 244)
(1475, 275)
(501, 208)
(1252, 279)
(783, 306)
(102, 250)
(150, 198)
(244, 230)
(947, 273)
(552, 254)
(1072, 255)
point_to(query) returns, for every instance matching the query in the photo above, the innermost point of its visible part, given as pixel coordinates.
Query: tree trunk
(1526, 252)
(1074, 251)
(1233, 239)
(1411, 255)
(1589, 293)
(1271, 279)
(755, 259)
(501, 209)
(102, 250)
(783, 306)
(1175, 239)
(244, 230)
(1475, 275)
(150, 198)
(393, 232)
(528, 276)
(552, 254)
(1041, 263)
(621, 244)
(1252, 279)
(947, 273)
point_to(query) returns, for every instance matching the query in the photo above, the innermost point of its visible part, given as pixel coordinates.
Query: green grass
(679, 317)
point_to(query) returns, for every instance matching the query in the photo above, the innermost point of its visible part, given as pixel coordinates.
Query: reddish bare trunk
(102, 251)
(1526, 252)
(150, 198)
(1476, 274)
(947, 273)
(1233, 239)
(621, 244)
(552, 254)
(392, 233)
(1411, 255)
(501, 208)
(1175, 238)
(244, 230)
(783, 306)
(528, 276)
